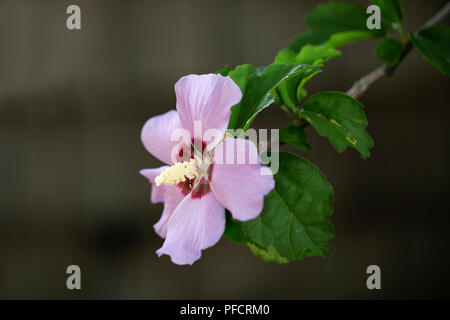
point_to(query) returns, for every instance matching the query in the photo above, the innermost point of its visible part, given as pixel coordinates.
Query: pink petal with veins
(196, 224)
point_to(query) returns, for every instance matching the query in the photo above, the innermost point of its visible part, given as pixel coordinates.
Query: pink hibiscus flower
(196, 190)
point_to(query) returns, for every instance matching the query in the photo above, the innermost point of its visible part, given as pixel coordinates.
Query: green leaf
(389, 50)
(242, 74)
(285, 91)
(289, 90)
(225, 71)
(295, 220)
(257, 94)
(286, 56)
(341, 39)
(331, 25)
(233, 230)
(301, 93)
(341, 119)
(292, 92)
(346, 20)
(391, 10)
(337, 16)
(269, 254)
(316, 54)
(434, 45)
(309, 37)
(300, 90)
(295, 136)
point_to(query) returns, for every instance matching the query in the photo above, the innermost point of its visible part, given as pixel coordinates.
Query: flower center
(179, 172)
(199, 186)
(191, 176)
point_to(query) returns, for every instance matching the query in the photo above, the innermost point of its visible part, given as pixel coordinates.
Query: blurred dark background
(72, 104)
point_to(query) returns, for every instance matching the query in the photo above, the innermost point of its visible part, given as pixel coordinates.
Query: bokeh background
(72, 104)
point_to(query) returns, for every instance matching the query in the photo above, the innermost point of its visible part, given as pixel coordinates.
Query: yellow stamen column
(177, 173)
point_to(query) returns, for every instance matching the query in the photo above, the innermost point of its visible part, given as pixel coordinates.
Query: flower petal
(196, 224)
(157, 193)
(241, 187)
(157, 133)
(172, 198)
(206, 98)
(170, 195)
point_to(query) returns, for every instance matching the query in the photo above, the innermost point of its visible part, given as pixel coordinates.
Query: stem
(438, 17)
(361, 86)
